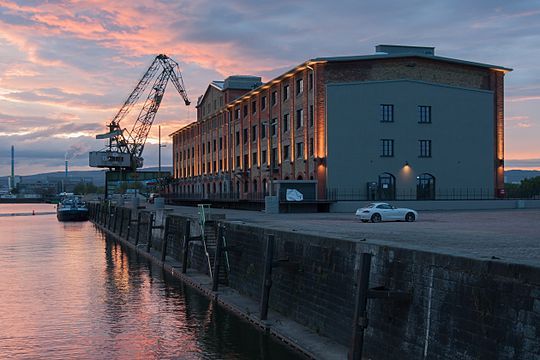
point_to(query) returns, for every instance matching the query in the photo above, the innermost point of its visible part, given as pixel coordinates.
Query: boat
(72, 208)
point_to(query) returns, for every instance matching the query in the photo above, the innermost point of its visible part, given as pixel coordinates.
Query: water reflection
(66, 292)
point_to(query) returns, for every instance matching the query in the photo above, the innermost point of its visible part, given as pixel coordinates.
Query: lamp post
(159, 151)
(272, 160)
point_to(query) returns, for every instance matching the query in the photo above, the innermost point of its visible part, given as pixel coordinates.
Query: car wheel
(410, 217)
(376, 218)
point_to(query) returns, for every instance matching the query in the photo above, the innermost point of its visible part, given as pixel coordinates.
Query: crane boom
(125, 148)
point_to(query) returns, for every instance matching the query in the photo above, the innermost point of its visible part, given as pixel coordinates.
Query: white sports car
(377, 212)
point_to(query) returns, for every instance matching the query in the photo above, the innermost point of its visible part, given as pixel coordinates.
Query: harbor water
(67, 292)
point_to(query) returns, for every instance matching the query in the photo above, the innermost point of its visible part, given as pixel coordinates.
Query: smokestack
(12, 163)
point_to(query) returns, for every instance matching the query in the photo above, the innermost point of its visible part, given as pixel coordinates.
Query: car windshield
(370, 206)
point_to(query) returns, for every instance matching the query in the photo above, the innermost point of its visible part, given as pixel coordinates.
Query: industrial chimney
(12, 182)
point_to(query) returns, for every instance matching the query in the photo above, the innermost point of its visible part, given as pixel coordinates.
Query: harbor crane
(124, 151)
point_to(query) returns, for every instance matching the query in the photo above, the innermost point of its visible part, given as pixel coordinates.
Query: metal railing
(229, 196)
(340, 194)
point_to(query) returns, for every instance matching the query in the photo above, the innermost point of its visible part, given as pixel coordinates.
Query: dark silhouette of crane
(124, 151)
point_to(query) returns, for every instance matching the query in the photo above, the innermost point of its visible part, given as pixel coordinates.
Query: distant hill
(97, 177)
(515, 176)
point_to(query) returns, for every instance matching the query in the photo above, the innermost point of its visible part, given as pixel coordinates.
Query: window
(424, 114)
(220, 143)
(310, 76)
(273, 158)
(387, 113)
(263, 131)
(245, 110)
(208, 147)
(246, 161)
(299, 150)
(285, 92)
(274, 98)
(238, 161)
(263, 156)
(254, 107)
(237, 113)
(285, 122)
(273, 127)
(286, 152)
(215, 145)
(310, 146)
(310, 115)
(237, 138)
(254, 159)
(220, 164)
(254, 133)
(245, 136)
(263, 102)
(203, 149)
(299, 86)
(425, 148)
(387, 147)
(299, 118)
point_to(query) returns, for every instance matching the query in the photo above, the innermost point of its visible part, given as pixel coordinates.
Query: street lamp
(159, 151)
(271, 150)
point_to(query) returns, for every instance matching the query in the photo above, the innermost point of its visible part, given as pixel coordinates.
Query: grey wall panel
(462, 135)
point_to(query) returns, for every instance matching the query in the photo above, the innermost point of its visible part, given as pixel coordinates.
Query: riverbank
(491, 305)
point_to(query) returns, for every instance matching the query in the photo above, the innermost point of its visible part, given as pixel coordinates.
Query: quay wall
(457, 307)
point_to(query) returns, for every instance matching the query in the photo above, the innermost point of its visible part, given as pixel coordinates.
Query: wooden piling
(217, 258)
(187, 235)
(360, 321)
(267, 277)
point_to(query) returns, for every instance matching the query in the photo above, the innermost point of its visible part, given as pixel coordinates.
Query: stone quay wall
(450, 307)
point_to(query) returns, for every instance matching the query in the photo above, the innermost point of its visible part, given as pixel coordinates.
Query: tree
(528, 188)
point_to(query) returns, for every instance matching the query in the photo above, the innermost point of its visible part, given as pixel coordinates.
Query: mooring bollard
(187, 235)
(267, 277)
(360, 322)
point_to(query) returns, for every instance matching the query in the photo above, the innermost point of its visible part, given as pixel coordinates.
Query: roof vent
(403, 49)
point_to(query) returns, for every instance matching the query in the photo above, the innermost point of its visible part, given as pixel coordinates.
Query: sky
(66, 67)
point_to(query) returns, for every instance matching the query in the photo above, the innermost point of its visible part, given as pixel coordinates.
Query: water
(67, 293)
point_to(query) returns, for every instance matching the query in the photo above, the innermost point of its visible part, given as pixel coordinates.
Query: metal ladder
(209, 240)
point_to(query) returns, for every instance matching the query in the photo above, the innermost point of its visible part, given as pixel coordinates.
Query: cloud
(84, 57)
(59, 97)
(522, 163)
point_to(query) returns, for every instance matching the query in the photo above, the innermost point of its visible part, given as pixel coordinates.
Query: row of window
(273, 97)
(254, 160)
(387, 148)
(424, 113)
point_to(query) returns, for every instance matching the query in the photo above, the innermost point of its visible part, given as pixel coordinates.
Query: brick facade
(228, 150)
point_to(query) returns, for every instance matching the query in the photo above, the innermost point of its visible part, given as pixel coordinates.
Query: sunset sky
(66, 67)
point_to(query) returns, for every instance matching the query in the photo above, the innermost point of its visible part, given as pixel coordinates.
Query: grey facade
(459, 131)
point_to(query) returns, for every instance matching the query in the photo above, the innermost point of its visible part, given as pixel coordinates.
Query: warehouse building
(402, 123)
